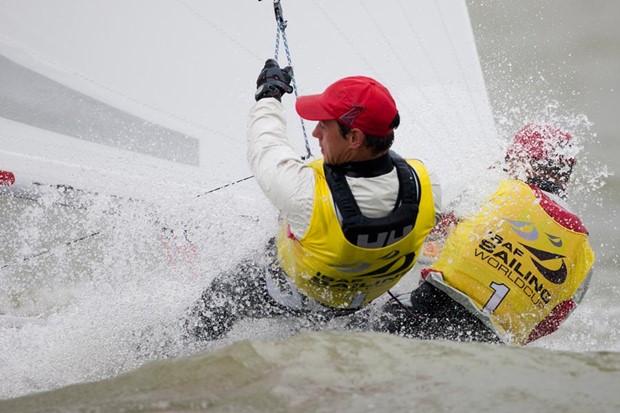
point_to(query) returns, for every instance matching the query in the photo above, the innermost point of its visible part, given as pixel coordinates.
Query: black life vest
(376, 232)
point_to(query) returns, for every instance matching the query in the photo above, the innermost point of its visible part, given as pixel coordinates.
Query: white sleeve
(284, 178)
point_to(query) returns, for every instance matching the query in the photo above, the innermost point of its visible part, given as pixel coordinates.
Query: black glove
(273, 82)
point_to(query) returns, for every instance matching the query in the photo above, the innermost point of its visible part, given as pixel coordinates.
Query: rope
(225, 186)
(49, 250)
(397, 56)
(281, 33)
(400, 303)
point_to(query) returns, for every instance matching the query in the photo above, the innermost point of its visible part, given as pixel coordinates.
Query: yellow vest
(514, 261)
(325, 266)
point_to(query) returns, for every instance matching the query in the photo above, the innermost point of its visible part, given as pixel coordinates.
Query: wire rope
(430, 62)
(459, 63)
(397, 56)
(281, 25)
(352, 45)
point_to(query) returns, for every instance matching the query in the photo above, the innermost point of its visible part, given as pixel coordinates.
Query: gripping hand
(273, 81)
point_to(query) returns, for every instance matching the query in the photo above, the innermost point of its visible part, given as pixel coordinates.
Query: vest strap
(376, 232)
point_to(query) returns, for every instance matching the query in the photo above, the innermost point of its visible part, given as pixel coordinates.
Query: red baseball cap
(357, 102)
(538, 142)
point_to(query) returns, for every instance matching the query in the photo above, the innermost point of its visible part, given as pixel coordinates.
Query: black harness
(376, 232)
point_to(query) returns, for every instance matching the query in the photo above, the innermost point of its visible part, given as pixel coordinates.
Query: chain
(281, 33)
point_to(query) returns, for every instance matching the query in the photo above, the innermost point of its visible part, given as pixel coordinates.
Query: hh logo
(528, 231)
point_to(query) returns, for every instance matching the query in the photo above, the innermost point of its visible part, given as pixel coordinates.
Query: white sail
(140, 98)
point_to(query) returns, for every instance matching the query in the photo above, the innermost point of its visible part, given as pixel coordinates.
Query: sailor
(351, 223)
(516, 268)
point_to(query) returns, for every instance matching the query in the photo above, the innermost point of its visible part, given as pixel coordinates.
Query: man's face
(336, 149)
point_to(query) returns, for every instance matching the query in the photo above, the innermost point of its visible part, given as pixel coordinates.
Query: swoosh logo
(390, 255)
(525, 230)
(556, 241)
(557, 276)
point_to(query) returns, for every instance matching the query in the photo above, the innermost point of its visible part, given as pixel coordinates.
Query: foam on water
(81, 309)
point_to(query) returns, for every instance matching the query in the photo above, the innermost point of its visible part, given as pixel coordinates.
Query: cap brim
(311, 108)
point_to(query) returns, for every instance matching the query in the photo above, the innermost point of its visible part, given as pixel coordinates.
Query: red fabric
(445, 225)
(553, 320)
(7, 178)
(289, 233)
(358, 102)
(563, 217)
(426, 271)
(540, 142)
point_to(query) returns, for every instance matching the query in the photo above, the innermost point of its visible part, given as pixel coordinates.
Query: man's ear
(356, 137)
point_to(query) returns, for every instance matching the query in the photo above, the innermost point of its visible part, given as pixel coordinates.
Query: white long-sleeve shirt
(288, 182)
